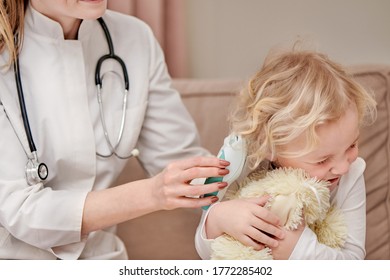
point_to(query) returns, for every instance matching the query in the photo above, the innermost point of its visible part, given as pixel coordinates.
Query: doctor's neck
(71, 29)
(69, 14)
(70, 25)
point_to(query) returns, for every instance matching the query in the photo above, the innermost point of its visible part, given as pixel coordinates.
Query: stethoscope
(36, 171)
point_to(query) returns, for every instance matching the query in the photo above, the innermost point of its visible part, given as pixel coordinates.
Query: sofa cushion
(375, 149)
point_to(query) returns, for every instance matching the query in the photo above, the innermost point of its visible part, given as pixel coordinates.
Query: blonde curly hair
(11, 26)
(292, 94)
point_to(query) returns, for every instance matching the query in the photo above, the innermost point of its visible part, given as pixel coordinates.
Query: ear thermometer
(234, 151)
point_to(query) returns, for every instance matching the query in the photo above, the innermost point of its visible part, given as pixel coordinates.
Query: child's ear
(273, 159)
(270, 157)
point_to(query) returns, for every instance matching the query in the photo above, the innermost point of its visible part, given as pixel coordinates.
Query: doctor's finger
(200, 190)
(202, 172)
(200, 162)
(192, 202)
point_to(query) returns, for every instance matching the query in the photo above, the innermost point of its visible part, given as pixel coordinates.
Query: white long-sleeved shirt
(349, 197)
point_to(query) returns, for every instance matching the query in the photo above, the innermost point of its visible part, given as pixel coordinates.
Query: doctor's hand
(167, 190)
(172, 189)
(247, 221)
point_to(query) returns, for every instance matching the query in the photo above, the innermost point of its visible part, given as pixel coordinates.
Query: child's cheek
(319, 173)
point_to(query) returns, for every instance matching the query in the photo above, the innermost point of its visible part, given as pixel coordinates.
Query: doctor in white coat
(72, 213)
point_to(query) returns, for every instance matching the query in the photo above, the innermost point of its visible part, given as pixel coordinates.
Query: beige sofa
(170, 234)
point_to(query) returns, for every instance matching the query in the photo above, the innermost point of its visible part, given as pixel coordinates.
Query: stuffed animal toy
(294, 196)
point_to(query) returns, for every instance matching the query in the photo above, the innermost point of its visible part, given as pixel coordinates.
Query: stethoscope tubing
(37, 172)
(98, 81)
(22, 105)
(110, 55)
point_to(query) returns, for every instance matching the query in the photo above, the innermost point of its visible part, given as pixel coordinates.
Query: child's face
(337, 149)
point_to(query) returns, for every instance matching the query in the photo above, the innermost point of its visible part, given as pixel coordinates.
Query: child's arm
(287, 245)
(244, 219)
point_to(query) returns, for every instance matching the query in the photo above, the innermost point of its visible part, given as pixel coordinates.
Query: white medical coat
(44, 221)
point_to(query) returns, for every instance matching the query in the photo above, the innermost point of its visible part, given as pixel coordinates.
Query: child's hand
(246, 220)
(287, 245)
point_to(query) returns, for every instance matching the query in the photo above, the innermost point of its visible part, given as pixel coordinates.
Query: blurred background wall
(230, 38)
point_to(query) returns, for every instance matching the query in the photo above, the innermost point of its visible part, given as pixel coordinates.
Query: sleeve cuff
(301, 249)
(202, 243)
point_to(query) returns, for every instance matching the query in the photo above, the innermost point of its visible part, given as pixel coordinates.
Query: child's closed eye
(353, 146)
(323, 161)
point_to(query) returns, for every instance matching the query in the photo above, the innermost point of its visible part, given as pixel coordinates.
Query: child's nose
(341, 167)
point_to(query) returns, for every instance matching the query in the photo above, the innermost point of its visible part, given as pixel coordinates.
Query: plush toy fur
(294, 196)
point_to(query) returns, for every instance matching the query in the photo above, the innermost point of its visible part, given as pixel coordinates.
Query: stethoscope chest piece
(36, 172)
